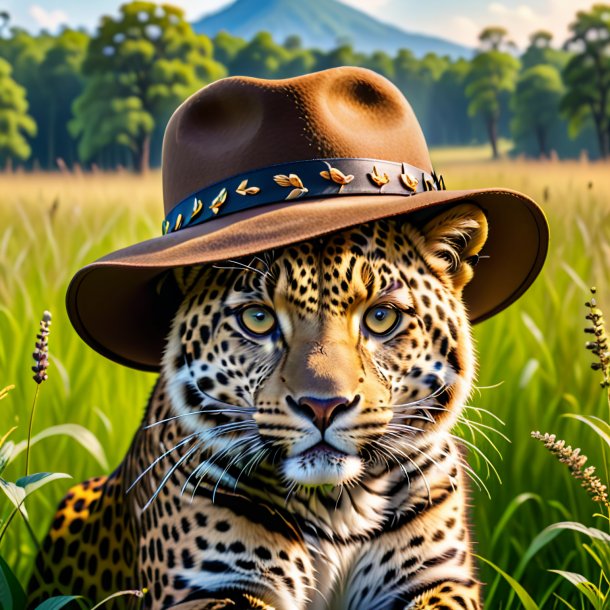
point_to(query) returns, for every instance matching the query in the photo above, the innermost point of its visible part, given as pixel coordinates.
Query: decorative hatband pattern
(300, 180)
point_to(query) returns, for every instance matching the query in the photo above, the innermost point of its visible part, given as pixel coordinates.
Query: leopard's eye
(381, 319)
(257, 319)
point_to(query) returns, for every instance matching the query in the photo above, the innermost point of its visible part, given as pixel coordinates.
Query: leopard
(296, 452)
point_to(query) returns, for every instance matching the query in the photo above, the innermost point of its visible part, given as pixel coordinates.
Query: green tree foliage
(26, 52)
(226, 47)
(106, 100)
(382, 63)
(343, 55)
(541, 52)
(493, 38)
(138, 68)
(450, 123)
(417, 79)
(587, 74)
(490, 82)
(535, 105)
(62, 82)
(293, 43)
(15, 122)
(49, 67)
(261, 57)
(301, 62)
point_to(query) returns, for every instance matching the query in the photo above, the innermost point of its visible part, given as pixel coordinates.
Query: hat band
(300, 180)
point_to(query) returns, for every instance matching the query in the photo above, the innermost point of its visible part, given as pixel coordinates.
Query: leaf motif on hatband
(336, 176)
(380, 179)
(219, 200)
(291, 180)
(244, 189)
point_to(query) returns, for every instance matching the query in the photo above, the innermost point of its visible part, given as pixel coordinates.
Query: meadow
(534, 368)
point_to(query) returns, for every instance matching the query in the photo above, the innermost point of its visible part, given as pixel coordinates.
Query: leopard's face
(330, 357)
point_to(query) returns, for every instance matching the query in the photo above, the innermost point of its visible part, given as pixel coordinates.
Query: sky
(459, 21)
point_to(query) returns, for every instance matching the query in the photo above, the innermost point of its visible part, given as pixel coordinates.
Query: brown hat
(252, 164)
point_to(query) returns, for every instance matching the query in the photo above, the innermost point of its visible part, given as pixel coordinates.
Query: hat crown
(239, 124)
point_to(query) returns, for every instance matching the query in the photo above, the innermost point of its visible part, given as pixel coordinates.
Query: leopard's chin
(322, 464)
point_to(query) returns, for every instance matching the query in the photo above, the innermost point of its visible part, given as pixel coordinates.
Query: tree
(450, 124)
(300, 62)
(15, 122)
(381, 63)
(261, 57)
(293, 43)
(587, 74)
(343, 55)
(489, 84)
(493, 38)
(62, 83)
(540, 52)
(536, 105)
(416, 78)
(226, 47)
(138, 67)
(25, 53)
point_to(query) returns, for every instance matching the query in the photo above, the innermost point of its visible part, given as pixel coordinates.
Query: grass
(449, 155)
(533, 365)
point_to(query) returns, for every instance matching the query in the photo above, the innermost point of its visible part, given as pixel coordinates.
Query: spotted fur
(309, 468)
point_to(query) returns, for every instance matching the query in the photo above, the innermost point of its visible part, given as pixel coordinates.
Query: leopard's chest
(190, 545)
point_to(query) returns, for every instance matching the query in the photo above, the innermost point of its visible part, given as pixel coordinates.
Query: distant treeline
(105, 98)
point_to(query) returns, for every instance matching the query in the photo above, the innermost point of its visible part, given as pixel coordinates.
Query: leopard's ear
(453, 240)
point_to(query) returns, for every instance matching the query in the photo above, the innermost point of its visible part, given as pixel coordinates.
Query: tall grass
(533, 367)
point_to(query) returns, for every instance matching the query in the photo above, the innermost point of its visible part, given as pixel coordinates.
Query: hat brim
(117, 307)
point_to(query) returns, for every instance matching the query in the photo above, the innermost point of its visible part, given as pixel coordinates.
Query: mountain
(321, 24)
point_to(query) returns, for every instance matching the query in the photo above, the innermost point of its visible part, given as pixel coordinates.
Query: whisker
(488, 387)
(169, 473)
(242, 266)
(419, 401)
(391, 455)
(183, 442)
(204, 435)
(477, 427)
(474, 477)
(405, 426)
(291, 489)
(486, 411)
(259, 454)
(479, 452)
(240, 410)
(235, 459)
(258, 258)
(209, 463)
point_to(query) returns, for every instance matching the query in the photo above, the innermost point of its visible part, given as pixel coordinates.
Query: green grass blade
(79, 433)
(570, 606)
(12, 595)
(588, 589)
(551, 532)
(32, 482)
(508, 514)
(16, 495)
(600, 427)
(522, 594)
(61, 601)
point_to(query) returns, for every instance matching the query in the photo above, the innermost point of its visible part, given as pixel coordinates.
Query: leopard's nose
(322, 411)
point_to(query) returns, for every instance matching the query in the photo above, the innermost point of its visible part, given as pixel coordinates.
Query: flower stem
(8, 522)
(27, 524)
(27, 450)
